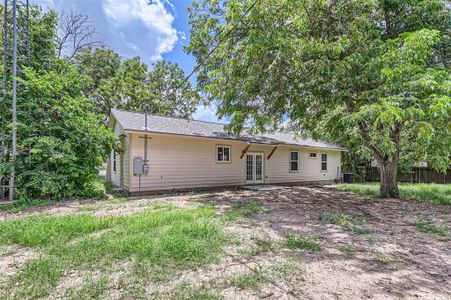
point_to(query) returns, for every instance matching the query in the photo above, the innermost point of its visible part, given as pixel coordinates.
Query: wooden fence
(418, 175)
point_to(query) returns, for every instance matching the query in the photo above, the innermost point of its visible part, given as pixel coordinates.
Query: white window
(294, 161)
(323, 162)
(312, 155)
(223, 154)
(114, 161)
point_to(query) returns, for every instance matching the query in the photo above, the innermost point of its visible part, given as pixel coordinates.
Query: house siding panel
(116, 176)
(182, 162)
(178, 162)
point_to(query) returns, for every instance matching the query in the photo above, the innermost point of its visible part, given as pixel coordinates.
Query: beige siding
(178, 162)
(126, 162)
(278, 167)
(115, 177)
(182, 162)
(125, 157)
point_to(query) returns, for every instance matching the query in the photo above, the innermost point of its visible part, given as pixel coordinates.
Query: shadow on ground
(378, 254)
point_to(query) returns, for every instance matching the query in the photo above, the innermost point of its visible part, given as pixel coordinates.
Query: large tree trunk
(389, 178)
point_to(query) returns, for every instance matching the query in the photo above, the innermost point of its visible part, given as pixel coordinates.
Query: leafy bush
(93, 189)
(61, 141)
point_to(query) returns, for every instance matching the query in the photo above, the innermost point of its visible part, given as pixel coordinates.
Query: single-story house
(179, 154)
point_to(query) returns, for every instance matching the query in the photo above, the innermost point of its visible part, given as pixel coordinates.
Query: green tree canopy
(60, 141)
(374, 73)
(129, 84)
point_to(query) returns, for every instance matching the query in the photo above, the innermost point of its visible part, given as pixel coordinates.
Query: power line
(222, 39)
(196, 68)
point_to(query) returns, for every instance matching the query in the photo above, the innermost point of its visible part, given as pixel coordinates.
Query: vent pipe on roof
(146, 162)
(145, 108)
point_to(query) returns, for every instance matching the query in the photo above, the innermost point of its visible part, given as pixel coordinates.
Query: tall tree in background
(42, 35)
(128, 84)
(65, 96)
(75, 33)
(376, 73)
(60, 141)
(99, 64)
(173, 96)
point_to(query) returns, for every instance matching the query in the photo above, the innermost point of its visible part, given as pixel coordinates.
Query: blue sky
(135, 28)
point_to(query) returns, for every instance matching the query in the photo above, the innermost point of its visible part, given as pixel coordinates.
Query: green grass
(159, 241)
(382, 259)
(243, 210)
(92, 288)
(349, 250)
(301, 242)
(250, 280)
(21, 205)
(37, 277)
(429, 227)
(115, 200)
(345, 221)
(185, 291)
(438, 193)
(371, 239)
(357, 229)
(99, 205)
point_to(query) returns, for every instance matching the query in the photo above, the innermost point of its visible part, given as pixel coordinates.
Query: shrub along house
(172, 153)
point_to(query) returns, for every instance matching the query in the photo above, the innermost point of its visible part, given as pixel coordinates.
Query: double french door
(254, 168)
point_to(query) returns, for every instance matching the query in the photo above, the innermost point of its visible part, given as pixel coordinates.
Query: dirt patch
(384, 257)
(368, 248)
(12, 258)
(106, 207)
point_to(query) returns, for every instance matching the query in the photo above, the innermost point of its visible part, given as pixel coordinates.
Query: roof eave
(232, 139)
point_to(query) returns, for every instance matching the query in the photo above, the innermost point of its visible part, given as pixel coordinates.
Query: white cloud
(149, 23)
(130, 27)
(206, 113)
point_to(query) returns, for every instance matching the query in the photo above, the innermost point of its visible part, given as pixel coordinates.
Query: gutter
(233, 139)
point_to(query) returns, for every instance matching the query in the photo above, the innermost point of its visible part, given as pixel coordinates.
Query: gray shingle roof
(133, 121)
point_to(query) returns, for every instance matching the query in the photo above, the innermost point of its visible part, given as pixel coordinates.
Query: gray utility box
(145, 168)
(140, 166)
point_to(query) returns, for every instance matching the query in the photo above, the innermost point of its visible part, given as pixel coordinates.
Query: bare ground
(414, 264)
(392, 260)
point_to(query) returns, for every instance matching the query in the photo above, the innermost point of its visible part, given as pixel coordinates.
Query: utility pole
(15, 54)
(14, 105)
(5, 46)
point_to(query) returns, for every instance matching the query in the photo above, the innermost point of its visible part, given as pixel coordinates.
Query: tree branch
(75, 33)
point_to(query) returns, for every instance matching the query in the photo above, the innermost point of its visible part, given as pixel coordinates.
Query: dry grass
(303, 242)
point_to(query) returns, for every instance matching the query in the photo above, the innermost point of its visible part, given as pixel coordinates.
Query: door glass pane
(249, 167)
(258, 167)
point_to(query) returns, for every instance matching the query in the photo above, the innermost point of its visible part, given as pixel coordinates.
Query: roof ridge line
(162, 116)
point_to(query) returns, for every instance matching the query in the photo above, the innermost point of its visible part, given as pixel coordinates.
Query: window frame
(114, 161)
(324, 161)
(217, 152)
(310, 155)
(291, 161)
